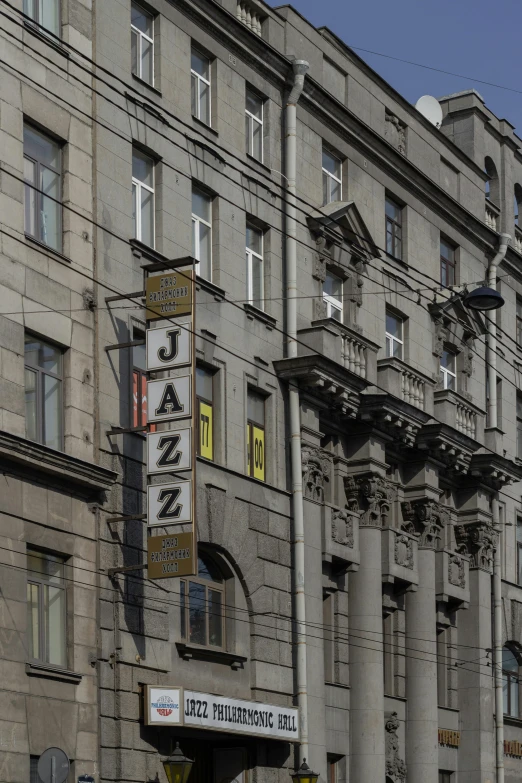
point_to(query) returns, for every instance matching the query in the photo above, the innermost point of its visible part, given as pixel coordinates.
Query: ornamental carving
(315, 466)
(369, 494)
(424, 518)
(395, 132)
(395, 766)
(320, 259)
(479, 540)
(456, 571)
(404, 551)
(342, 527)
(440, 336)
(320, 309)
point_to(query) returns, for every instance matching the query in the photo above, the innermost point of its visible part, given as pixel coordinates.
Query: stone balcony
(407, 384)
(399, 556)
(452, 578)
(452, 409)
(492, 215)
(341, 344)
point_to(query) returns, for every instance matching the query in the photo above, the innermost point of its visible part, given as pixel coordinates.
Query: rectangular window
(394, 335)
(256, 435)
(447, 264)
(43, 392)
(205, 420)
(519, 425)
(142, 43)
(202, 605)
(255, 271)
(448, 372)
(328, 637)
(42, 193)
(46, 608)
(445, 777)
(519, 322)
(143, 197)
(389, 652)
(139, 382)
(393, 229)
(519, 550)
(333, 296)
(333, 764)
(200, 89)
(202, 233)
(332, 183)
(254, 125)
(442, 669)
(45, 13)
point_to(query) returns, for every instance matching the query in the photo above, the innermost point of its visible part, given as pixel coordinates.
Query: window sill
(38, 32)
(204, 125)
(192, 651)
(34, 669)
(337, 685)
(151, 87)
(141, 250)
(512, 721)
(50, 250)
(260, 315)
(265, 169)
(211, 288)
(400, 261)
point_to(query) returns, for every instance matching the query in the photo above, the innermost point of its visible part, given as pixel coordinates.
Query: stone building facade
(140, 133)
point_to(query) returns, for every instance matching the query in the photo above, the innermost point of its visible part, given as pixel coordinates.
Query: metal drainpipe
(491, 359)
(300, 68)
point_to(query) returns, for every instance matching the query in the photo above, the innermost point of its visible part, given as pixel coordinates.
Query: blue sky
(477, 38)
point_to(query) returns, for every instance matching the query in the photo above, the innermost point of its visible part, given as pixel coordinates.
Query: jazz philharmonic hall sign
(171, 452)
(175, 706)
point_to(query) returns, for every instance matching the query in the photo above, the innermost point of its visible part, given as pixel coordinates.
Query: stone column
(424, 517)
(369, 494)
(475, 687)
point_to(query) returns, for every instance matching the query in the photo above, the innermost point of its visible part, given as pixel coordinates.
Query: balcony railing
(249, 16)
(406, 383)
(466, 420)
(492, 215)
(354, 355)
(412, 388)
(454, 410)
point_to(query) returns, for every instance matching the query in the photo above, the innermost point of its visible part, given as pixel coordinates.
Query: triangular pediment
(453, 310)
(342, 221)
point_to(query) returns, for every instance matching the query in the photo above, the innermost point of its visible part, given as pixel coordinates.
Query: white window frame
(196, 220)
(141, 35)
(332, 303)
(331, 176)
(446, 373)
(200, 79)
(251, 120)
(391, 339)
(137, 203)
(250, 254)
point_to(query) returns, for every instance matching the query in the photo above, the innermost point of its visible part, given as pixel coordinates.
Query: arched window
(202, 600)
(517, 203)
(492, 184)
(510, 680)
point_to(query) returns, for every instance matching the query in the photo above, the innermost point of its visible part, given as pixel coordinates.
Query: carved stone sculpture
(456, 571)
(320, 259)
(342, 527)
(316, 472)
(395, 132)
(424, 518)
(370, 495)
(479, 540)
(395, 766)
(404, 551)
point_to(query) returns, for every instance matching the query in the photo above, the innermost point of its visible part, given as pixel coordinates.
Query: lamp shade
(304, 774)
(483, 299)
(177, 766)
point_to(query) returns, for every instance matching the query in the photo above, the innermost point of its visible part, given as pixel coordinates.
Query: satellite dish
(430, 108)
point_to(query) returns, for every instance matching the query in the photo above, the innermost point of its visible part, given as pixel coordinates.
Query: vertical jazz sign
(171, 452)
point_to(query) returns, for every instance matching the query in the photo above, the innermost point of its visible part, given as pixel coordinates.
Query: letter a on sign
(170, 346)
(170, 451)
(169, 504)
(169, 398)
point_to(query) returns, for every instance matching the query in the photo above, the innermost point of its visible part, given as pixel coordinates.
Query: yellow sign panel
(170, 555)
(169, 295)
(258, 453)
(206, 443)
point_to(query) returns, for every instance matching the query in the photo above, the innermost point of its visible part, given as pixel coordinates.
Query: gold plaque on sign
(169, 295)
(170, 555)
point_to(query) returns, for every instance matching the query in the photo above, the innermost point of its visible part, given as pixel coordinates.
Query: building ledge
(36, 458)
(34, 669)
(192, 651)
(254, 313)
(203, 284)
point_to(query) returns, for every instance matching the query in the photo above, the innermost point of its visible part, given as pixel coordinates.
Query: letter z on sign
(169, 346)
(168, 452)
(169, 398)
(169, 504)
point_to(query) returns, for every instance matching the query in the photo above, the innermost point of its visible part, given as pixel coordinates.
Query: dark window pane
(197, 613)
(208, 570)
(215, 621)
(182, 610)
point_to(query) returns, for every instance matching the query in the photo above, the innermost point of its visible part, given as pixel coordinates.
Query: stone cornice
(37, 460)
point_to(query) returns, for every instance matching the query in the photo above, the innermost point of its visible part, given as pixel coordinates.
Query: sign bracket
(124, 569)
(117, 346)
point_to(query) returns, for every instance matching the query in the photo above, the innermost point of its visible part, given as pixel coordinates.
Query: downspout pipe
(300, 67)
(491, 360)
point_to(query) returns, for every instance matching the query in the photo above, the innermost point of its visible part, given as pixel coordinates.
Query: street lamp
(304, 774)
(483, 298)
(177, 766)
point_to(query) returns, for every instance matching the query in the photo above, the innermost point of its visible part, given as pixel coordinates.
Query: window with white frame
(46, 14)
(332, 184)
(202, 232)
(254, 125)
(394, 335)
(448, 369)
(142, 43)
(254, 259)
(333, 296)
(200, 78)
(143, 197)
(46, 608)
(43, 189)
